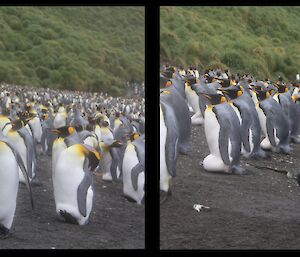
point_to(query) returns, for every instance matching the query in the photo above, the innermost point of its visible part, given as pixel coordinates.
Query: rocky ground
(260, 210)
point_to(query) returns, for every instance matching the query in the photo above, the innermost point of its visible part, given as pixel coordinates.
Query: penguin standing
(223, 136)
(168, 146)
(250, 126)
(274, 123)
(60, 119)
(72, 183)
(24, 143)
(9, 183)
(134, 169)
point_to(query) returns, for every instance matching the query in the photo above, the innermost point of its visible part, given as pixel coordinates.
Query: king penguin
(10, 161)
(274, 123)
(168, 146)
(73, 189)
(134, 169)
(223, 135)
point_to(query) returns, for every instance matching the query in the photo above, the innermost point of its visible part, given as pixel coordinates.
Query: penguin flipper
(172, 138)
(246, 123)
(135, 171)
(270, 131)
(114, 163)
(82, 192)
(223, 142)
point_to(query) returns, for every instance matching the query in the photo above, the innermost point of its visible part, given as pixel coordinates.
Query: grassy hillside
(261, 40)
(84, 48)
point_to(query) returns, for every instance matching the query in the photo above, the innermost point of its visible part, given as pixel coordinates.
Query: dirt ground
(114, 223)
(260, 210)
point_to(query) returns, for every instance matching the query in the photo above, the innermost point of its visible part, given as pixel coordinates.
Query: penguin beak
(56, 131)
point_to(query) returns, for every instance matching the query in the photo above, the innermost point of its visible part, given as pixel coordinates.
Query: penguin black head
(262, 95)
(64, 131)
(191, 80)
(225, 82)
(92, 155)
(281, 88)
(215, 98)
(232, 92)
(17, 124)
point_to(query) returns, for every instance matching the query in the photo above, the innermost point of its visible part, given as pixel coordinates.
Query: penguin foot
(68, 217)
(129, 199)
(295, 139)
(285, 149)
(4, 232)
(298, 178)
(237, 170)
(260, 154)
(36, 182)
(164, 196)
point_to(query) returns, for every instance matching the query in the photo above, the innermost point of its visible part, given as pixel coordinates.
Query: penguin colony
(242, 117)
(82, 133)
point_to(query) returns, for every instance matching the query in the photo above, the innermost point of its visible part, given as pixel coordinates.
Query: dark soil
(114, 221)
(260, 210)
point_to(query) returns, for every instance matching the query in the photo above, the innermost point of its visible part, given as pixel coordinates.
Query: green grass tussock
(263, 41)
(80, 48)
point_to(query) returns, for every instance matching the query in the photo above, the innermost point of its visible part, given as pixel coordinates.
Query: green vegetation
(262, 41)
(84, 48)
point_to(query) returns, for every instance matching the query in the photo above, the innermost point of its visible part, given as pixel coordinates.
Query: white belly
(59, 121)
(68, 175)
(193, 99)
(9, 183)
(130, 160)
(164, 174)
(213, 162)
(37, 128)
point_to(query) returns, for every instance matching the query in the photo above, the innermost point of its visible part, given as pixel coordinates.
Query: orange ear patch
(169, 83)
(71, 130)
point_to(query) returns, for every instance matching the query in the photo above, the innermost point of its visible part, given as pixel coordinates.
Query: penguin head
(91, 154)
(64, 131)
(281, 88)
(215, 98)
(262, 95)
(17, 124)
(225, 82)
(232, 92)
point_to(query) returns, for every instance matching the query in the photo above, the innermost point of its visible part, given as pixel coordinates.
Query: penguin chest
(130, 161)
(37, 128)
(212, 130)
(262, 120)
(193, 99)
(9, 181)
(164, 174)
(98, 131)
(3, 121)
(59, 120)
(68, 175)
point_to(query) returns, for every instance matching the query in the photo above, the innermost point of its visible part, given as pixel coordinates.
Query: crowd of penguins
(241, 116)
(83, 132)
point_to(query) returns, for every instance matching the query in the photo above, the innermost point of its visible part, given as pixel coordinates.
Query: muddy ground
(260, 210)
(114, 223)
